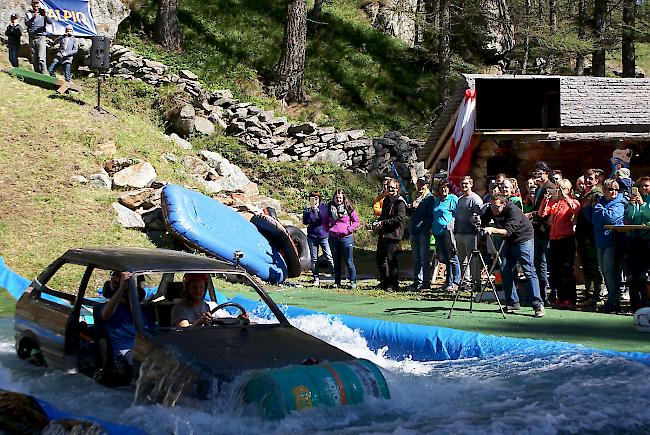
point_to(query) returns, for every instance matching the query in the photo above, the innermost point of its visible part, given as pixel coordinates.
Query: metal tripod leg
(464, 279)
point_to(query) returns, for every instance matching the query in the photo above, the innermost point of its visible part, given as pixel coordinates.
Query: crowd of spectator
(537, 234)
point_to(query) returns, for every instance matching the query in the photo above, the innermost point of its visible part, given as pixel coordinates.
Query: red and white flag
(462, 141)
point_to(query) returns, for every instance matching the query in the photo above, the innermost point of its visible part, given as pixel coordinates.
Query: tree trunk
(314, 16)
(540, 11)
(581, 22)
(598, 55)
(167, 33)
(443, 51)
(289, 73)
(627, 45)
(552, 21)
(524, 62)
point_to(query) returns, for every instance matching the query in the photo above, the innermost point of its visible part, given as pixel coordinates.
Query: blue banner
(74, 12)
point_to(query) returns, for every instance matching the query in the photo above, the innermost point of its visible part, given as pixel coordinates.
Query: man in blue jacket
(36, 22)
(68, 47)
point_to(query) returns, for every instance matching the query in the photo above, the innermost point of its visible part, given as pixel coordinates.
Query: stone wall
(202, 111)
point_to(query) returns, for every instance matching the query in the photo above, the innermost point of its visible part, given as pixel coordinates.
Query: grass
(357, 77)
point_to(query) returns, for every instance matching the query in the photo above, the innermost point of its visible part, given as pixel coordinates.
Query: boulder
(212, 158)
(188, 75)
(79, 179)
(115, 165)
(153, 219)
(330, 156)
(182, 143)
(196, 166)
(141, 198)
(100, 180)
(136, 176)
(306, 128)
(128, 218)
(203, 126)
(356, 134)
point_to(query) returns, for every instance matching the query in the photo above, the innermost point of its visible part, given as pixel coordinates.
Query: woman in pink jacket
(562, 209)
(341, 220)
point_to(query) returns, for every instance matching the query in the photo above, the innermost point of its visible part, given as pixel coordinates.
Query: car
(58, 324)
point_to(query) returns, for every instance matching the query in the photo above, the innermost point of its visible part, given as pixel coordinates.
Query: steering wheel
(241, 319)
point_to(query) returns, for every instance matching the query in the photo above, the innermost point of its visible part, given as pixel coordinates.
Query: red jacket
(563, 212)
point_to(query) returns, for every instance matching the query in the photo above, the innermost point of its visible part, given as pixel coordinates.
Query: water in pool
(583, 392)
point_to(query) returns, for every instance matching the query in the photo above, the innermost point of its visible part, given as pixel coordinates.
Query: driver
(194, 311)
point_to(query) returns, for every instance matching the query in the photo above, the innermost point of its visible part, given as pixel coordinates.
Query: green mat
(34, 78)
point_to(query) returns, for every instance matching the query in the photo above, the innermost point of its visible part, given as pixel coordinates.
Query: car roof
(145, 259)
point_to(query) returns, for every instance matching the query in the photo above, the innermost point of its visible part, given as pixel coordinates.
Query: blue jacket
(605, 213)
(443, 213)
(314, 221)
(422, 215)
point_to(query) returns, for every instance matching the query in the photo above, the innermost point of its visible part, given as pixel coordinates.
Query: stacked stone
(261, 131)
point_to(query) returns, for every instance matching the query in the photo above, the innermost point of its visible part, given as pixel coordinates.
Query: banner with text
(74, 12)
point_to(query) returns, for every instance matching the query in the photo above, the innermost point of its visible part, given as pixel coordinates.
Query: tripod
(476, 254)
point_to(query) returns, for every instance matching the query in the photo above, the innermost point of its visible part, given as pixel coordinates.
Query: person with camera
(390, 228)
(442, 228)
(586, 241)
(542, 228)
(469, 205)
(506, 220)
(36, 22)
(68, 47)
(562, 209)
(638, 262)
(341, 221)
(317, 235)
(421, 212)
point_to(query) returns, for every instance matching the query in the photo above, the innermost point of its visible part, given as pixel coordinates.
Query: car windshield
(171, 292)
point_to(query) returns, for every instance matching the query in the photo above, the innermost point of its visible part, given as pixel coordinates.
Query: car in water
(276, 365)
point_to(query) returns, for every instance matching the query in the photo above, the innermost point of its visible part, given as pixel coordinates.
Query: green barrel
(277, 392)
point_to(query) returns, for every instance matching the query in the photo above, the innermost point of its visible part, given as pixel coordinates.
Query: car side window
(68, 277)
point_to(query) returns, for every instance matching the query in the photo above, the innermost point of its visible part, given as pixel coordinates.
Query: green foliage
(356, 76)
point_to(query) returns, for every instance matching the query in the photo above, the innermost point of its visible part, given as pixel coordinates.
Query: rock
(327, 138)
(141, 198)
(330, 156)
(187, 74)
(235, 128)
(128, 218)
(115, 165)
(306, 128)
(182, 143)
(101, 180)
(203, 126)
(341, 137)
(21, 414)
(106, 149)
(326, 130)
(357, 144)
(79, 179)
(196, 166)
(137, 176)
(212, 158)
(218, 121)
(356, 134)
(153, 219)
(170, 157)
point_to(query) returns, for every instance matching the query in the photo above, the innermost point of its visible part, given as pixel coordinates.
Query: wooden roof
(591, 108)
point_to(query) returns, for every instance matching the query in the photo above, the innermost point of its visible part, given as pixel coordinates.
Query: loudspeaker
(100, 53)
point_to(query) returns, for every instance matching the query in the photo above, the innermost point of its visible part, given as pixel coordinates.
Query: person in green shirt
(508, 191)
(637, 259)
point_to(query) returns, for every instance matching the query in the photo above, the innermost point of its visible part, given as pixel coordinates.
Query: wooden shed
(572, 123)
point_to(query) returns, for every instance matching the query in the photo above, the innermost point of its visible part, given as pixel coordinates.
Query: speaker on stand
(100, 61)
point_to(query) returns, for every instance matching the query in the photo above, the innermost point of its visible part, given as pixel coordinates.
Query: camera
(475, 220)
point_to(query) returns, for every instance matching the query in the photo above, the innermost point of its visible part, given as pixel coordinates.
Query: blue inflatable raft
(205, 224)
